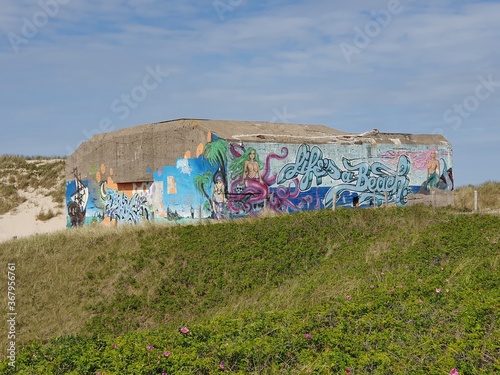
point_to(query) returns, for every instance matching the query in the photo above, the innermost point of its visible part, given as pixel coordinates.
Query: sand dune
(22, 221)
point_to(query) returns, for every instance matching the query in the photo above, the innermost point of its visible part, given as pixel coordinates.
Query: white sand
(22, 222)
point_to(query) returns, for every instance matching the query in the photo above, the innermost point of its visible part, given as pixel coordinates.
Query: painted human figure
(251, 168)
(249, 189)
(433, 169)
(219, 198)
(77, 217)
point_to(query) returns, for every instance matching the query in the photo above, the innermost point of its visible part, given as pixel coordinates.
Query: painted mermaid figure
(248, 180)
(433, 170)
(251, 169)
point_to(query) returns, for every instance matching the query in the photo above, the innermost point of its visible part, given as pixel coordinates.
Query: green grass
(361, 284)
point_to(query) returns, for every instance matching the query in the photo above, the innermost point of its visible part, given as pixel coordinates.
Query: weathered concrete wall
(132, 152)
(435, 198)
(178, 184)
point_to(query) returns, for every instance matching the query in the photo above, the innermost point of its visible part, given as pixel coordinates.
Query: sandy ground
(22, 221)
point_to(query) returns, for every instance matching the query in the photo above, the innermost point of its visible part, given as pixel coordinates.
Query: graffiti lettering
(375, 180)
(370, 180)
(123, 208)
(310, 164)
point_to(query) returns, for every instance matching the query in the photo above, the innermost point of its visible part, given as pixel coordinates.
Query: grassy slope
(250, 290)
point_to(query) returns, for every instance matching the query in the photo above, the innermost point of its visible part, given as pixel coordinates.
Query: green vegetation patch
(382, 291)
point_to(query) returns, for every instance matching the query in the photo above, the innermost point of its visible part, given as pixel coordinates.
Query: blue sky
(72, 68)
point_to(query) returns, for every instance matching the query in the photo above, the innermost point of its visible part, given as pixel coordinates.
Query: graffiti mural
(438, 175)
(175, 192)
(121, 203)
(77, 203)
(124, 209)
(375, 182)
(433, 167)
(219, 198)
(223, 180)
(214, 179)
(306, 179)
(249, 188)
(101, 200)
(370, 181)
